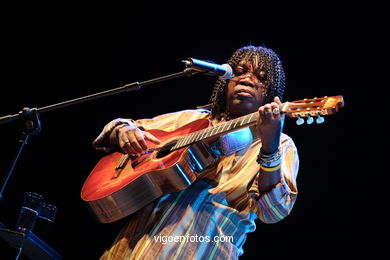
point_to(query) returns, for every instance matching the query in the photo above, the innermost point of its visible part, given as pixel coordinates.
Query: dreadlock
(268, 61)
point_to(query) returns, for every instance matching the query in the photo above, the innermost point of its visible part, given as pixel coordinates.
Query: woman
(255, 176)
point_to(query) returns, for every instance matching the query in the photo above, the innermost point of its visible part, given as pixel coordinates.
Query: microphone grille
(229, 72)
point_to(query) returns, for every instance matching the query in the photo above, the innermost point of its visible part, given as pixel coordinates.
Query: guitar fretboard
(216, 130)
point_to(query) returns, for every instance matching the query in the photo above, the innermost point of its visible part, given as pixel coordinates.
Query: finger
(134, 150)
(274, 105)
(140, 139)
(134, 143)
(261, 114)
(277, 100)
(123, 141)
(125, 146)
(268, 111)
(275, 110)
(151, 138)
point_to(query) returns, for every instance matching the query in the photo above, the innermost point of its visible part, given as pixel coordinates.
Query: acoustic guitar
(121, 184)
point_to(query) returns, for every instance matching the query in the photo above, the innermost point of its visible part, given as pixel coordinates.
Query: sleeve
(166, 122)
(273, 206)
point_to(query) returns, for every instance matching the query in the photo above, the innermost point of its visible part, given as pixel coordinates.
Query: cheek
(261, 92)
(259, 101)
(230, 86)
(229, 90)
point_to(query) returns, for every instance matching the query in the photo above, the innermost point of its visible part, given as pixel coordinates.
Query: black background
(58, 53)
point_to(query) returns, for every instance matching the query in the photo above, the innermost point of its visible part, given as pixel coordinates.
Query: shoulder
(189, 115)
(173, 120)
(198, 111)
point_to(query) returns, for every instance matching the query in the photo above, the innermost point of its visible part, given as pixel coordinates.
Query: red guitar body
(120, 185)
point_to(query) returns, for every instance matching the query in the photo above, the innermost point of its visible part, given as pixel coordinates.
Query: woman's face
(246, 90)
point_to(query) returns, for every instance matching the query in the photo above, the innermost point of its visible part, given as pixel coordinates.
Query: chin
(242, 107)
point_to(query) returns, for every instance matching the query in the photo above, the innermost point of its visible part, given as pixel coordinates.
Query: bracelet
(270, 164)
(269, 160)
(270, 169)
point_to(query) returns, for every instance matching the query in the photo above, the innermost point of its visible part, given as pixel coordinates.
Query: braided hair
(268, 61)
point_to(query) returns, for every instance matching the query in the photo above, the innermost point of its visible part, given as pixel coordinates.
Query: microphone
(224, 71)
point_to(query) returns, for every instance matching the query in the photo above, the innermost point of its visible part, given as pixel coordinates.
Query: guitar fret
(215, 130)
(219, 128)
(197, 136)
(212, 131)
(235, 123)
(223, 127)
(178, 144)
(191, 139)
(182, 142)
(185, 141)
(202, 134)
(207, 133)
(230, 125)
(250, 118)
(241, 121)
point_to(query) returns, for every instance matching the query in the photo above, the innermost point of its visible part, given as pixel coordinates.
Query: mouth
(247, 83)
(244, 92)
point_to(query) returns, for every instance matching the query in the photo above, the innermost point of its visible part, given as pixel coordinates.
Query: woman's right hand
(132, 140)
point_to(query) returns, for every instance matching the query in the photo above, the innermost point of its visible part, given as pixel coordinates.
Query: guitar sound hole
(163, 153)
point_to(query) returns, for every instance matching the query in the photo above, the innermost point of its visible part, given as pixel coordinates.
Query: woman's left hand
(269, 125)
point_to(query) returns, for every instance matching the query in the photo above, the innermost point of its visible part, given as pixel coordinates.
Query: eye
(239, 70)
(262, 75)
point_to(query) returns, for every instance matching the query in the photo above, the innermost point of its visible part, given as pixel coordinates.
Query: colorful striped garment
(209, 219)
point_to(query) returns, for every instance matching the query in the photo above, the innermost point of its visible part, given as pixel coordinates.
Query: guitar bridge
(121, 165)
(122, 162)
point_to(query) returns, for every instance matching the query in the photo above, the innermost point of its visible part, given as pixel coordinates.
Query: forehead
(250, 61)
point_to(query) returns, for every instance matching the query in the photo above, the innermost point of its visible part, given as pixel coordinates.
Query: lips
(247, 83)
(243, 91)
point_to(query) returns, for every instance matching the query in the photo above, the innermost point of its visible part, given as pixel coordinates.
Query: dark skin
(245, 94)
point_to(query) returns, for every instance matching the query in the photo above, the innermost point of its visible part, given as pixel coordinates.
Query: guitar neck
(217, 130)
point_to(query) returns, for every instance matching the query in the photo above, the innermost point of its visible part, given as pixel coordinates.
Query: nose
(247, 77)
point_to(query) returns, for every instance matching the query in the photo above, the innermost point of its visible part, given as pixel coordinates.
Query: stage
(53, 56)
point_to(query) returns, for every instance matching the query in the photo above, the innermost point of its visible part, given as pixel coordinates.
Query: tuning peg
(309, 120)
(300, 121)
(320, 119)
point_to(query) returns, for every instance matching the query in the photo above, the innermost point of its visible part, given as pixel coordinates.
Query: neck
(240, 114)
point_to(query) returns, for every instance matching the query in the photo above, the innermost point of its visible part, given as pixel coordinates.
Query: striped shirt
(209, 219)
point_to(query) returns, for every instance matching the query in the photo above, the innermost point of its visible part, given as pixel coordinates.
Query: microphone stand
(32, 124)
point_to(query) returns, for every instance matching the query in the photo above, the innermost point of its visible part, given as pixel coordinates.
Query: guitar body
(120, 185)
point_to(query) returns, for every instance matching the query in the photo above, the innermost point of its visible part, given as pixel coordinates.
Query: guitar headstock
(314, 107)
